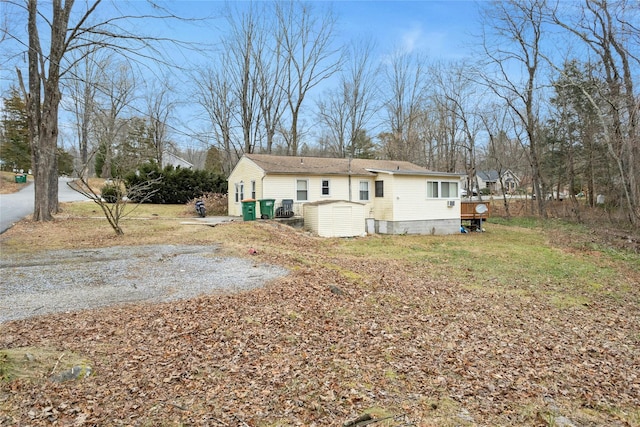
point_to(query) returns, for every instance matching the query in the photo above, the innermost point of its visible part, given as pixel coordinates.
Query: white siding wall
(411, 203)
(280, 187)
(337, 219)
(405, 197)
(311, 221)
(383, 206)
(245, 171)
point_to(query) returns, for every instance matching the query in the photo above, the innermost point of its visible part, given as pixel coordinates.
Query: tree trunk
(46, 177)
(43, 117)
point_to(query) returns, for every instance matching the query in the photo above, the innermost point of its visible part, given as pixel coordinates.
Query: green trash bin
(266, 208)
(21, 178)
(249, 210)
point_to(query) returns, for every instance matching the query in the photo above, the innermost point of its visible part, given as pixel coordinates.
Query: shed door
(341, 221)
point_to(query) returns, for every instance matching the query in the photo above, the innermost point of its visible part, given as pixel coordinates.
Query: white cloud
(412, 38)
(433, 42)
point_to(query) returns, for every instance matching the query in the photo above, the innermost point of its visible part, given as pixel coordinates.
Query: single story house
(498, 182)
(398, 197)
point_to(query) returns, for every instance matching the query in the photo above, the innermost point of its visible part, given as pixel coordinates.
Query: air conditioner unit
(451, 203)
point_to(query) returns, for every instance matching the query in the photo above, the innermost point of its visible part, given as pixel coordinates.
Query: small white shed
(335, 218)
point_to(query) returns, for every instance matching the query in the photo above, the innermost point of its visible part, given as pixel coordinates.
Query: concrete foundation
(434, 227)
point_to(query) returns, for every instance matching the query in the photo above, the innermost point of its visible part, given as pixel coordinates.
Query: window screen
(449, 189)
(364, 190)
(432, 189)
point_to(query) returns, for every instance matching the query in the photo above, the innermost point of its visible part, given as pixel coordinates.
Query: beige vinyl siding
(411, 203)
(342, 222)
(382, 207)
(311, 221)
(245, 171)
(335, 218)
(280, 187)
(405, 196)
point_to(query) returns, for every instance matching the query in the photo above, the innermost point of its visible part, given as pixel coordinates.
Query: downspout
(349, 173)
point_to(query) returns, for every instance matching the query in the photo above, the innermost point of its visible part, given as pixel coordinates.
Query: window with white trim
(239, 191)
(253, 189)
(449, 189)
(364, 190)
(302, 190)
(325, 190)
(432, 189)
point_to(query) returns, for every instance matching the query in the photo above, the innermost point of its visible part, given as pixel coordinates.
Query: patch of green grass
(524, 222)
(5, 367)
(350, 275)
(561, 301)
(32, 363)
(506, 258)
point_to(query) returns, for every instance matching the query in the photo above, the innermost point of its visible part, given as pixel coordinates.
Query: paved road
(16, 206)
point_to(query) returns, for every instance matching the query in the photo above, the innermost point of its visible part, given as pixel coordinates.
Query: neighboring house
(492, 180)
(398, 197)
(170, 159)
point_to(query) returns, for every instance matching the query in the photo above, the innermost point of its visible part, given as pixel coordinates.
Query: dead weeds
(344, 334)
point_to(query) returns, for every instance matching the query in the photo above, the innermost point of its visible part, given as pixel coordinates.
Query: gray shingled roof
(491, 175)
(333, 166)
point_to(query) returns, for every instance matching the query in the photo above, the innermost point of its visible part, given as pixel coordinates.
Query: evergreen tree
(15, 151)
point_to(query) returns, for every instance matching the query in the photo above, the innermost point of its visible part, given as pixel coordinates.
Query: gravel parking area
(71, 280)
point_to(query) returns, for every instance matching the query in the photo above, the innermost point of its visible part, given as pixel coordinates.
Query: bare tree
(43, 113)
(160, 108)
(240, 61)
(83, 89)
(405, 105)
(117, 90)
(117, 207)
(215, 96)
(309, 54)
(502, 152)
(270, 70)
(332, 112)
(347, 109)
(518, 28)
(610, 31)
(49, 62)
(458, 98)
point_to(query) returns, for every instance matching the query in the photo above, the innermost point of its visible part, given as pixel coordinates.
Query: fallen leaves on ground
(338, 337)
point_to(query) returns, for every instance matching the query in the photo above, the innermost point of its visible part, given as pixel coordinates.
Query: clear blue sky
(441, 30)
(438, 29)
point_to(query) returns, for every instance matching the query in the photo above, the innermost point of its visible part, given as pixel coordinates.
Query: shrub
(178, 185)
(111, 193)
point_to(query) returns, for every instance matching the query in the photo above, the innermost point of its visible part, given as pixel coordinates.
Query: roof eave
(416, 173)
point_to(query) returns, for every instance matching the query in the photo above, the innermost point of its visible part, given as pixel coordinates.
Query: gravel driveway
(71, 280)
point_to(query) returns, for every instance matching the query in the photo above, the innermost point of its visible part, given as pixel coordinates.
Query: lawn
(512, 327)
